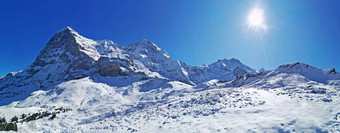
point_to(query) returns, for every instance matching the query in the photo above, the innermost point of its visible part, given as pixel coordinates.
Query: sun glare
(256, 19)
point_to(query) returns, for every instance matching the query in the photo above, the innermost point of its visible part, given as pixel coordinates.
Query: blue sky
(194, 31)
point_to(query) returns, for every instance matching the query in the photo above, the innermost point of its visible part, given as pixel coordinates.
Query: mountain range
(101, 86)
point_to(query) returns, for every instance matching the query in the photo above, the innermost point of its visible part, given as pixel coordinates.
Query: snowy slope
(139, 88)
(98, 107)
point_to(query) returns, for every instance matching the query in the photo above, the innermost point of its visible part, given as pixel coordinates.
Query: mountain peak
(145, 40)
(296, 65)
(234, 60)
(67, 31)
(231, 64)
(146, 47)
(310, 72)
(261, 70)
(228, 60)
(69, 28)
(147, 44)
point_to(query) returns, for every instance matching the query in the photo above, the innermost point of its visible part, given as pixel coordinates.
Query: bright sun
(256, 19)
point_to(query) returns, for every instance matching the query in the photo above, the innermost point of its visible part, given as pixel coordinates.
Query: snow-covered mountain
(100, 86)
(69, 55)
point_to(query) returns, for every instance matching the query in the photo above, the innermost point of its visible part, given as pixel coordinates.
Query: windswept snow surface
(139, 88)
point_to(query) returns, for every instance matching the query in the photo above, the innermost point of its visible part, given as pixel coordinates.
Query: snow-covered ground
(177, 107)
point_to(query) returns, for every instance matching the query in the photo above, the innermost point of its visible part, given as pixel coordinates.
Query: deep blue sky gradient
(194, 31)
